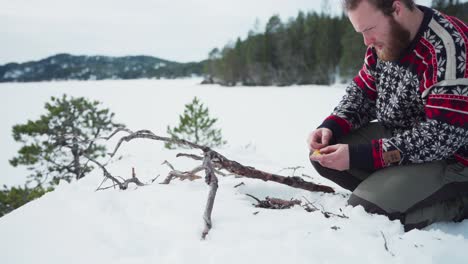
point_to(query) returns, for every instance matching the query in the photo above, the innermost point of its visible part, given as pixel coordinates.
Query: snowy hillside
(265, 128)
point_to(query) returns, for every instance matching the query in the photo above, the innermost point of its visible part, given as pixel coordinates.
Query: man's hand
(334, 157)
(319, 138)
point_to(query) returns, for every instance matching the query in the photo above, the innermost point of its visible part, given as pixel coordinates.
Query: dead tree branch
(240, 184)
(212, 181)
(274, 203)
(190, 175)
(385, 244)
(226, 164)
(294, 169)
(123, 185)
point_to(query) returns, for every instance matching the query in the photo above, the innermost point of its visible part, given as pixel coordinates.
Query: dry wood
(226, 164)
(274, 203)
(211, 180)
(123, 185)
(385, 244)
(294, 169)
(310, 207)
(186, 175)
(240, 184)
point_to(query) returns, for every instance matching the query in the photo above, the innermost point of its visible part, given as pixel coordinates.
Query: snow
(13, 74)
(265, 128)
(159, 65)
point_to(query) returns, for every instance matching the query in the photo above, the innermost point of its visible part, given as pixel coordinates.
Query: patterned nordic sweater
(422, 99)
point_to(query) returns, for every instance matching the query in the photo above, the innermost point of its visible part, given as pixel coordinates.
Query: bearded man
(399, 137)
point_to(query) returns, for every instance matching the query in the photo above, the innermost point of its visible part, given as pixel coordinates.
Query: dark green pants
(418, 194)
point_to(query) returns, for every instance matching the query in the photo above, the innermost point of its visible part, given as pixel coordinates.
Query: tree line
(312, 48)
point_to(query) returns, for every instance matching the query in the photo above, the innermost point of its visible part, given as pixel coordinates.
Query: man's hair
(386, 6)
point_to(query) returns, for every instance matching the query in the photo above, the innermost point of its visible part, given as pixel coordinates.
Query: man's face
(382, 32)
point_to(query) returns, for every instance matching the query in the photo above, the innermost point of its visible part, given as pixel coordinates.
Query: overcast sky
(179, 30)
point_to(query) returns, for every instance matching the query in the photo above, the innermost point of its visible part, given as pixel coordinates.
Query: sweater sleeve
(439, 137)
(357, 107)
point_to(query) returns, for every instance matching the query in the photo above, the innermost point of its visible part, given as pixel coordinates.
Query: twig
(258, 200)
(212, 181)
(192, 156)
(153, 180)
(240, 184)
(308, 204)
(191, 175)
(329, 214)
(168, 164)
(275, 203)
(385, 244)
(293, 169)
(122, 185)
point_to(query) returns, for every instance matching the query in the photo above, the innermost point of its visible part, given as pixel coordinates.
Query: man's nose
(368, 40)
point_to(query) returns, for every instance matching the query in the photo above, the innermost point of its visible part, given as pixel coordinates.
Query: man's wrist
(337, 125)
(360, 156)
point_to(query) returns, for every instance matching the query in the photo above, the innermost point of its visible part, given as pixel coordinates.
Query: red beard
(399, 41)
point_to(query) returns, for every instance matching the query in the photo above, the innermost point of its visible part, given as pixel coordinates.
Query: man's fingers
(325, 138)
(315, 142)
(317, 138)
(328, 149)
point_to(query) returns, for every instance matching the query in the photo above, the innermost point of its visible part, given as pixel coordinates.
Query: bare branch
(275, 203)
(192, 156)
(122, 185)
(240, 184)
(229, 165)
(328, 214)
(258, 200)
(103, 181)
(168, 164)
(153, 180)
(212, 181)
(190, 175)
(293, 169)
(150, 135)
(195, 157)
(120, 129)
(385, 244)
(309, 207)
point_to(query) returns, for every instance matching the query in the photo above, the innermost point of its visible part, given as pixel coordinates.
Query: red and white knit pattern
(422, 98)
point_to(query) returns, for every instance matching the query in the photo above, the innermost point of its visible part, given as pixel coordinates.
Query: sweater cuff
(360, 156)
(367, 156)
(339, 126)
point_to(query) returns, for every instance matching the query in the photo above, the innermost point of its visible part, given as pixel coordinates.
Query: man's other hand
(319, 138)
(334, 157)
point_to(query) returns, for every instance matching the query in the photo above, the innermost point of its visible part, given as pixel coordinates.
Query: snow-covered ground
(265, 128)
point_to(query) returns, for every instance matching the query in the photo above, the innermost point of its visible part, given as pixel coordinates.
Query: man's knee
(342, 178)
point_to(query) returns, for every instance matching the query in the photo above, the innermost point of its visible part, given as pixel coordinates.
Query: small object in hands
(316, 153)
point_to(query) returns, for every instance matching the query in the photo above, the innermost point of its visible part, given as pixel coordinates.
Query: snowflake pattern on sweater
(421, 98)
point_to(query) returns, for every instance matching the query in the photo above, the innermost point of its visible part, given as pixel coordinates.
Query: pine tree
(52, 145)
(15, 197)
(196, 126)
(353, 52)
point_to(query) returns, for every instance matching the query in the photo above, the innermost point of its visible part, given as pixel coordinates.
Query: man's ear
(397, 7)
